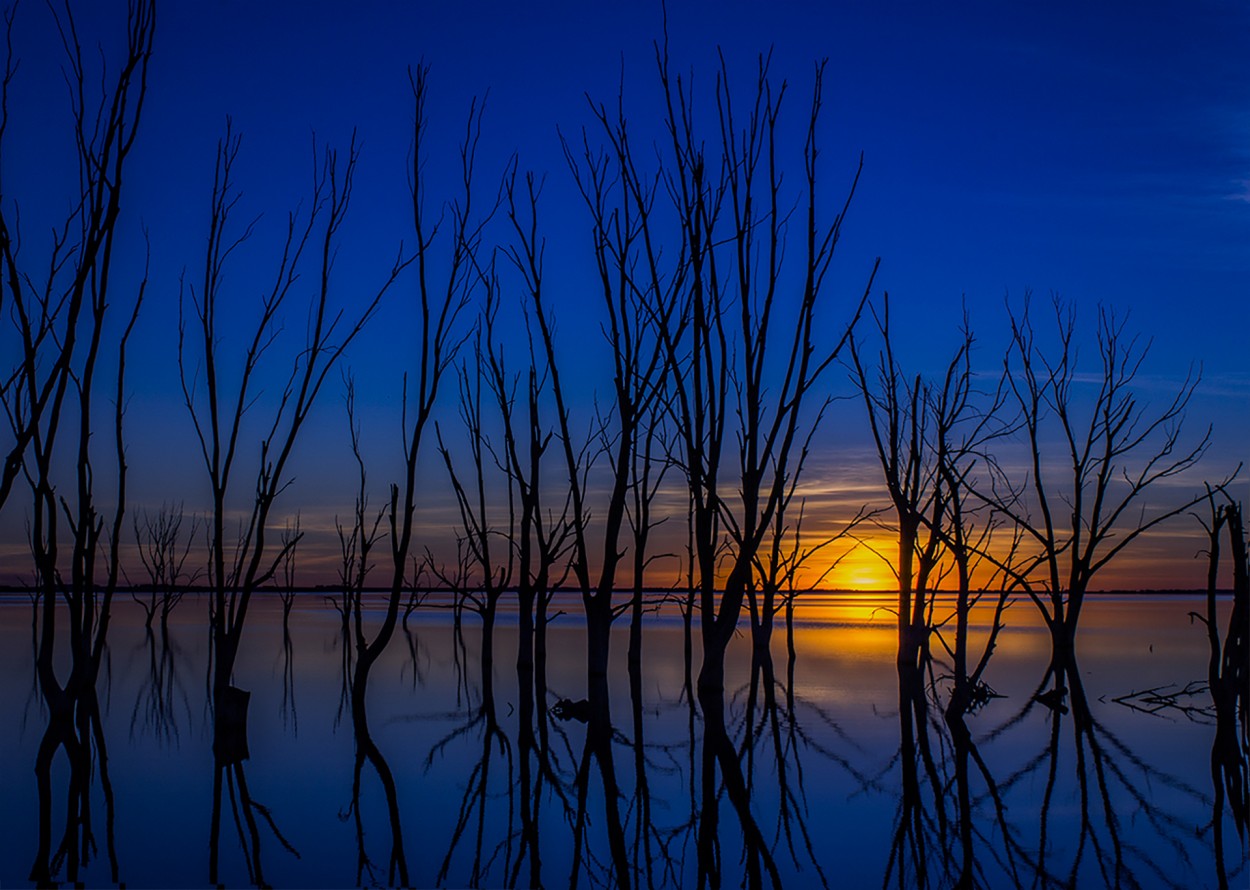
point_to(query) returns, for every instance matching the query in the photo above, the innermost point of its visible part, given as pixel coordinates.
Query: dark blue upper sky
(1097, 151)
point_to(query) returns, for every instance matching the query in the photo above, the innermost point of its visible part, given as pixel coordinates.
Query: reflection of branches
(156, 704)
(477, 792)
(34, 696)
(475, 798)
(50, 386)
(397, 862)
(163, 551)
(1228, 677)
(532, 751)
(597, 752)
(720, 758)
(417, 658)
(229, 772)
(291, 537)
(287, 707)
(81, 736)
(764, 716)
(918, 852)
(648, 841)
(1111, 779)
(792, 811)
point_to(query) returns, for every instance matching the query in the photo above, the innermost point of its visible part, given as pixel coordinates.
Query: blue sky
(1096, 151)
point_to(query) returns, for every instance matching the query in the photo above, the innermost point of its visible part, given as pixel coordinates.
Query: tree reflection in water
(230, 750)
(473, 806)
(74, 727)
(505, 779)
(162, 705)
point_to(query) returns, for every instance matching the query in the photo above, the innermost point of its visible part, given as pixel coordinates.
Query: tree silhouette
(637, 369)
(240, 564)
(489, 546)
(60, 309)
(931, 441)
(718, 316)
(1228, 676)
(440, 306)
(1078, 513)
(163, 553)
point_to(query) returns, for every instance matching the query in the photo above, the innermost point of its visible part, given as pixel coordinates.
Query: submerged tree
(489, 543)
(931, 440)
(899, 417)
(1228, 673)
(63, 306)
(637, 373)
(1078, 512)
(440, 298)
(724, 329)
(694, 331)
(164, 548)
(440, 302)
(241, 562)
(540, 534)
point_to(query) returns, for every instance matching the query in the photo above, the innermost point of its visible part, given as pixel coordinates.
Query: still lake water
(828, 775)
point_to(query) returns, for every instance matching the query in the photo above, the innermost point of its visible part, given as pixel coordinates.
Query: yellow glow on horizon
(858, 569)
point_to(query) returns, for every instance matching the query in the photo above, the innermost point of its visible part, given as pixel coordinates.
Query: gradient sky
(1096, 151)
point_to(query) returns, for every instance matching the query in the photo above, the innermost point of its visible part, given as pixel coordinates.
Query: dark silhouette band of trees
(723, 338)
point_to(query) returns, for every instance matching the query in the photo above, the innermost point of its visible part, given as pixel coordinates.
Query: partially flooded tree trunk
(762, 622)
(635, 624)
(540, 637)
(1236, 660)
(687, 640)
(790, 651)
(525, 631)
(488, 634)
(712, 673)
(598, 636)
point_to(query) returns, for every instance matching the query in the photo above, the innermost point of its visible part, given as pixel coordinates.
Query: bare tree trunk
(598, 637)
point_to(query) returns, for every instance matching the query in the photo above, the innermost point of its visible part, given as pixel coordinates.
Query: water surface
(826, 772)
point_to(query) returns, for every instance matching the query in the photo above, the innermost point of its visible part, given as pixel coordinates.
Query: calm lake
(824, 774)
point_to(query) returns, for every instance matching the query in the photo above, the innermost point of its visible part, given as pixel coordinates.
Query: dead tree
(356, 545)
(637, 373)
(782, 556)
(60, 324)
(541, 534)
(440, 302)
(291, 536)
(618, 204)
(489, 543)
(932, 442)
(1228, 676)
(648, 472)
(241, 562)
(63, 326)
(898, 409)
(778, 567)
(1077, 512)
(163, 553)
(723, 336)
